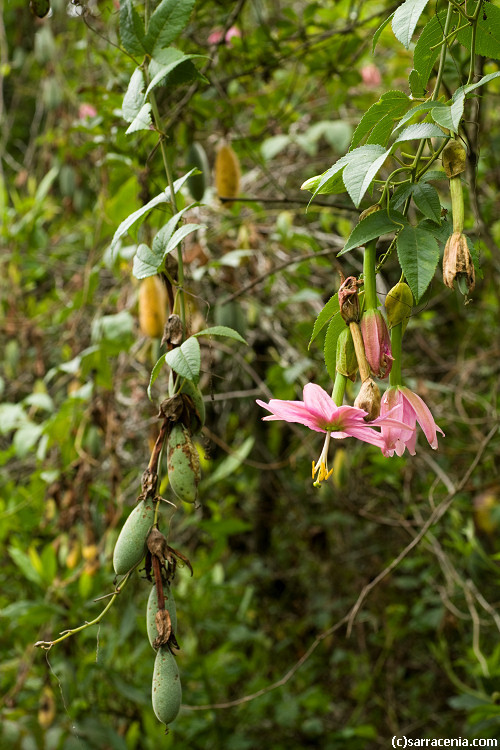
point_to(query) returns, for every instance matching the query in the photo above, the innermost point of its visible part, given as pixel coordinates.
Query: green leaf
(162, 197)
(171, 58)
(25, 565)
(378, 121)
(328, 182)
(329, 310)
(426, 52)
(131, 29)
(134, 96)
(185, 359)
(380, 29)
(465, 90)
(427, 201)
(333, 331)
(166, 23)
(226, 331)
(363, 164)
(372, 226)
(180, 234)
(449, 115)
(146, 262)
(487, 33)
(423, 107)
(419, 131)
(416, 87)
(418, 254)
(406, 18)
(142, 121)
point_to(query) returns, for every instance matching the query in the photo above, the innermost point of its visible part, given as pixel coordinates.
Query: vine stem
(173, 202)
(359, 348)
(47, 645)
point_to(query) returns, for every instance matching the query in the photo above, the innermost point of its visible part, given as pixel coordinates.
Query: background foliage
(284, 640)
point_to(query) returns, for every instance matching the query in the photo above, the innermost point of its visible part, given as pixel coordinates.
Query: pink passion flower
(319, 412)
(409, 408)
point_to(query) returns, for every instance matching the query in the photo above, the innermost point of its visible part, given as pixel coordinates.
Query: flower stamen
(321, 467)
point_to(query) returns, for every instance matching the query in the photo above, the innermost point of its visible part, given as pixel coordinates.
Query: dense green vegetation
(327, 617)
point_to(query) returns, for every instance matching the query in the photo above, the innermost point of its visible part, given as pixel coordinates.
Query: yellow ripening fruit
(183, 464)
(227, 173)
(130, 546)
(46, 708)
(152, 609)
(152, 306)
(167, 690)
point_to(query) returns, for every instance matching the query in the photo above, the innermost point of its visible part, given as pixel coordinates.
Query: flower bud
(377, 343)
(346, 362)
(454, 157)
(457, 262)
(348, 299)
(368, 399)
(398, 304)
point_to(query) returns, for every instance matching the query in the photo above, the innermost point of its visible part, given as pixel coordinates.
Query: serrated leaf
(416, 87)
(226, 331)
(333, 331)
(401, 195)
(449, 116)
(419, 131)
(185, 359)
(132, 31)
(163, 197)
(328, 182)
(146, 263)
(427, 201)
(359, 173)
(163, 236)
(406, 18)
(142, 121)
(134, 96)
(487, 41)
(329, 310)
(440, 231)
(380, 29)
(171, 58)
(418, 254)
(433, 174)
(166, 23)
(180, 234)
(423, 107)
(426, 52)
(465, 90)
(378, 121)
(372, 226)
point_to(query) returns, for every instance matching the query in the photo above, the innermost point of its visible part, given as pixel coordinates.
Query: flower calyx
(377, 343)
(457, 263)
(348, 299)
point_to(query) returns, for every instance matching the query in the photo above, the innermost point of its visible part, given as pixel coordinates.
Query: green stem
(47, 645)
(339, 388)
(369, 275)
(442, 57)
(395, 377)
(173, 203)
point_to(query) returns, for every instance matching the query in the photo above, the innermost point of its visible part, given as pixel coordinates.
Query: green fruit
(197, 183)
(152, 609)
(183, 464)
(130, 546)
(167, 691)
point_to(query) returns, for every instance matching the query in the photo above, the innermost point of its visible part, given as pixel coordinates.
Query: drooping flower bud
(346, 361)
(368, 399)
(348, 299)
(454, 157)
(377, 343)
(457, 262)
(398, 304)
